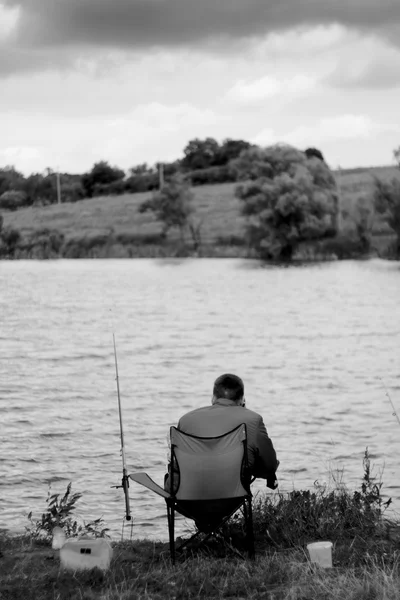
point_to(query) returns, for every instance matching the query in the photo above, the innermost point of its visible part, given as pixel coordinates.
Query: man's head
(229, 386)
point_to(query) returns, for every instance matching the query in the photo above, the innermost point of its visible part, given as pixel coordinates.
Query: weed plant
(59, 512)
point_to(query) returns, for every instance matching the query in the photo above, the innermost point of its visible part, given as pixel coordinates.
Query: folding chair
(213, 483)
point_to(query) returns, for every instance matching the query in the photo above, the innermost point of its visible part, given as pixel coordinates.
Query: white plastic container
(321, 553)
(78, 554)
(59, 538)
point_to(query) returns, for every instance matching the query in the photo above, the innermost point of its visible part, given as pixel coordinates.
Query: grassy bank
(113, 227)
(366, 556)
(142, 571)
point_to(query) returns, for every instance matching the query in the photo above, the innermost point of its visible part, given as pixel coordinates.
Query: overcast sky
(131, 81)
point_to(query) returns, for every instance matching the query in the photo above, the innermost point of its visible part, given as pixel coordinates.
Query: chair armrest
(146, 481)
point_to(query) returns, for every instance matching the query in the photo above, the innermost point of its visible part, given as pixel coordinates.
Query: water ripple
(313, 344)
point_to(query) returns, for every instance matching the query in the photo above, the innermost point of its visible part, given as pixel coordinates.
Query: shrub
(387, 203)
(212, 175)
(115, 188)
(343, 246)
(12, 200)
(362, 218)
(294, 519)
(138, 239)
(9, 240)
(72, 192)
(45, 243)
(142, 183)
(231, 240)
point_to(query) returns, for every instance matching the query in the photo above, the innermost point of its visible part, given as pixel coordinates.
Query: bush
(296, 518)
(387, 203)
(212, 175)
(114, 188)
(12, 200)
(343, 246)
(231, 240)
(44, 243)
(142, 183)
(9, 240)
(135, 239)
(72, 192)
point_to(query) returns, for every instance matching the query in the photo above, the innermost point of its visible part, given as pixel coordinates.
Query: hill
(95, 219)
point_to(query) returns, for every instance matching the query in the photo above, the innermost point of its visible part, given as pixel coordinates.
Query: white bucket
(321, 553)
(84, 553)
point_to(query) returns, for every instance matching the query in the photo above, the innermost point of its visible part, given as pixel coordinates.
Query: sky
(132, 81)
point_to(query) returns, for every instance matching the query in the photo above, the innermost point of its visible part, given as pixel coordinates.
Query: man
(226, 412)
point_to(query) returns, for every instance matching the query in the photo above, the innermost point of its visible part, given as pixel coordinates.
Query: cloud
(158, 23)
(338, 128)
(149, 133)
(372, 65)
(9, 17)
(248, 92)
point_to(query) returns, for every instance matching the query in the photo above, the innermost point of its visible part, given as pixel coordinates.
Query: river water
(315, 344)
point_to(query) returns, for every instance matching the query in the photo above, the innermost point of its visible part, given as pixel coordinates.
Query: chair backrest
(210, 468)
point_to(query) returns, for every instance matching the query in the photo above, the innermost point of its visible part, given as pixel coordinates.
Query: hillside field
(215, 206)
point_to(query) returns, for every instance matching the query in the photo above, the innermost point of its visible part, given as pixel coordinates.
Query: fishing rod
(125, 476)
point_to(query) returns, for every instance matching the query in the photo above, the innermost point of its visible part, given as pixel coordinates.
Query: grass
(366, 557)
(142, 571)
(216, 205)
(86, 224)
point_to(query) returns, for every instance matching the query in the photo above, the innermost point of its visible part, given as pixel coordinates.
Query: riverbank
(113, 227)
(366, 556)
(141, 570)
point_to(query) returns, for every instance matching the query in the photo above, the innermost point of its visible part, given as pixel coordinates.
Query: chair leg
(171, 529)
(249, 528)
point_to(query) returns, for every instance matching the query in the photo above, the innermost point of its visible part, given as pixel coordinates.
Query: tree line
(288, 197)
(204, 162)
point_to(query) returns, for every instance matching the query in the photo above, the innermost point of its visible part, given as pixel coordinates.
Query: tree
(142, 169)
(172, 205)
(387, 203)
(40, 189)
(102, 173)
(200, 154)
(287, 199)
(269, 162)
(10, 180)
(396, 154)
(314, 152)
(229, 150)
(362, 218)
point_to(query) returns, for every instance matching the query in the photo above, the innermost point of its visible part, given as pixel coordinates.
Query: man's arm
(266, 462)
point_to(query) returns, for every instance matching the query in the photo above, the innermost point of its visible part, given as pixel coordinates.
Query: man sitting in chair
(226, 412)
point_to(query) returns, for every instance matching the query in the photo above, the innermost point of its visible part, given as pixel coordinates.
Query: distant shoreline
(109, 247)
(114, 227)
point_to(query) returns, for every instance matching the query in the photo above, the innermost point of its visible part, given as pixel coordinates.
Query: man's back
(223, 416)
